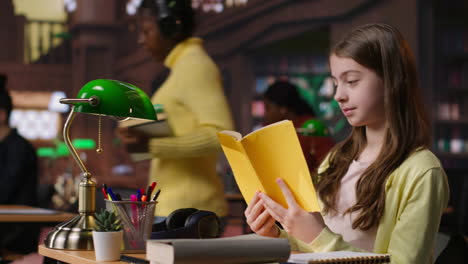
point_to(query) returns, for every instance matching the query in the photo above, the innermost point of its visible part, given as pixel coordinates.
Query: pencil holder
(137, 220)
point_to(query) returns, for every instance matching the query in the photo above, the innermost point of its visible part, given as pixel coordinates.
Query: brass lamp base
(75, 234)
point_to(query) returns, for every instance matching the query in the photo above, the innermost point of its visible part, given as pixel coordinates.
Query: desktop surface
(78, 256)
(29, 214)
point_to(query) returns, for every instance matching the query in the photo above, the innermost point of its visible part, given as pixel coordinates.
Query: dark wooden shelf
(457, 90)
(456, 57)
(449, 24)
(455, 171)
(451, 122)
(451, 155)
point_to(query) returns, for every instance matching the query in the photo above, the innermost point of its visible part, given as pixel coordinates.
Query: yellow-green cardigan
(416, 194)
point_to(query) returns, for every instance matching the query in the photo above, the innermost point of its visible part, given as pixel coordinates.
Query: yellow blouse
(184, 165)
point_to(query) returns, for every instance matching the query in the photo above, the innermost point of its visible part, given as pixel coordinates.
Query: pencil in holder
(137, 220)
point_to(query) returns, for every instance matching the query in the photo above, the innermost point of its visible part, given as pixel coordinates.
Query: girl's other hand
(259, 220)
(299, 223)
(134, 141)
(126, 136)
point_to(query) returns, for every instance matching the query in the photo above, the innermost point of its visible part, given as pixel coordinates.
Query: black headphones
(188, 223)
(170, 24)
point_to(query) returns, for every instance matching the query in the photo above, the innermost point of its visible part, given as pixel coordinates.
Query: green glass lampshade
(115, 98)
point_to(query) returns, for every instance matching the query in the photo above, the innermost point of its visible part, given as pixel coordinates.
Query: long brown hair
(381, 48)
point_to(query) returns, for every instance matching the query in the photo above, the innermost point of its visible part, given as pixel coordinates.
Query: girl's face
(151, 38)
(359, 92)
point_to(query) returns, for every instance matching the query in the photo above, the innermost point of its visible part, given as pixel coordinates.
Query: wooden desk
(33, 217)
(78, 256)
(14, 217)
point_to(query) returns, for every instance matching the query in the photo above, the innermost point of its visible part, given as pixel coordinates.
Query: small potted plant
(107, 236)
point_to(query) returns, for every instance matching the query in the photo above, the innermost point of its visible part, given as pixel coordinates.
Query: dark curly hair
(182, 9)
(286, 94)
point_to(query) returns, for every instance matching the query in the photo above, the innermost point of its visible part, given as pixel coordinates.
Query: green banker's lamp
(105, 98)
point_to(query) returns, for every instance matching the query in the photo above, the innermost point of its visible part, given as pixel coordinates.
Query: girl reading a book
(381, 189)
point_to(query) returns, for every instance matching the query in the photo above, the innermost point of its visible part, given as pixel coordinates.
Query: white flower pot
(107, 245)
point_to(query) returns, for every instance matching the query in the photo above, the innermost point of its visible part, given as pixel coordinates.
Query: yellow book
(264, 155)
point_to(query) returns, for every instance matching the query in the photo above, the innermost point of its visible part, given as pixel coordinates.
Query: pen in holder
(137, 220)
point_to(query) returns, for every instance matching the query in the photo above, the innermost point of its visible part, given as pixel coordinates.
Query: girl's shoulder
(418, 162)
(417, 166)
(421, 159)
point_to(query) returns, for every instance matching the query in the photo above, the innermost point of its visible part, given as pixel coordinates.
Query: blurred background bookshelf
(303, 61)
(450, 119)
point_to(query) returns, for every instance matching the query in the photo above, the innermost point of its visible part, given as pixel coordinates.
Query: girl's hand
(133, 140)
(127, 136)
(259, 220)
(295, 220)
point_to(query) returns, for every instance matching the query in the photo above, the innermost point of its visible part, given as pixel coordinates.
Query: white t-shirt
(341, 223)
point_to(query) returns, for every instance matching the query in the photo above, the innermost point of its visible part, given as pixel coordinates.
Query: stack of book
(229, 250)
(246, 249)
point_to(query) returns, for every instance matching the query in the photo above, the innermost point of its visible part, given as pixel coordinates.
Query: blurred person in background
(183, 165)
(18, 179)
(283, 101)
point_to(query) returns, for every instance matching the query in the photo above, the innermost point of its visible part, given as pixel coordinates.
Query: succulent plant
(107, 221)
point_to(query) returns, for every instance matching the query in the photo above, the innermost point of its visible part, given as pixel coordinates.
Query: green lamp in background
(84, 143)
(105, 98)
(61, 149)
(313, 127)
(46, 152)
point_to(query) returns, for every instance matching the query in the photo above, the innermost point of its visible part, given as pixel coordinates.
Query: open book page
(239, 137)
(244, 174)
(338, 255)
(158, 128)
(274, 151)
(267, 127)
(132, 121)
(140, 156)
(152, 128)
(128, 122)
(236, 135)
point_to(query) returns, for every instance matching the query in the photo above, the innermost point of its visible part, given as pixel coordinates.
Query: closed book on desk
(338, 257)
(229, 250)
(262, 156)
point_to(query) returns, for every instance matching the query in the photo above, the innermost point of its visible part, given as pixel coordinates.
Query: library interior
(119, 105)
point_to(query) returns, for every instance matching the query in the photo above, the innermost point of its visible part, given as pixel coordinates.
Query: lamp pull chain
(99, 149)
